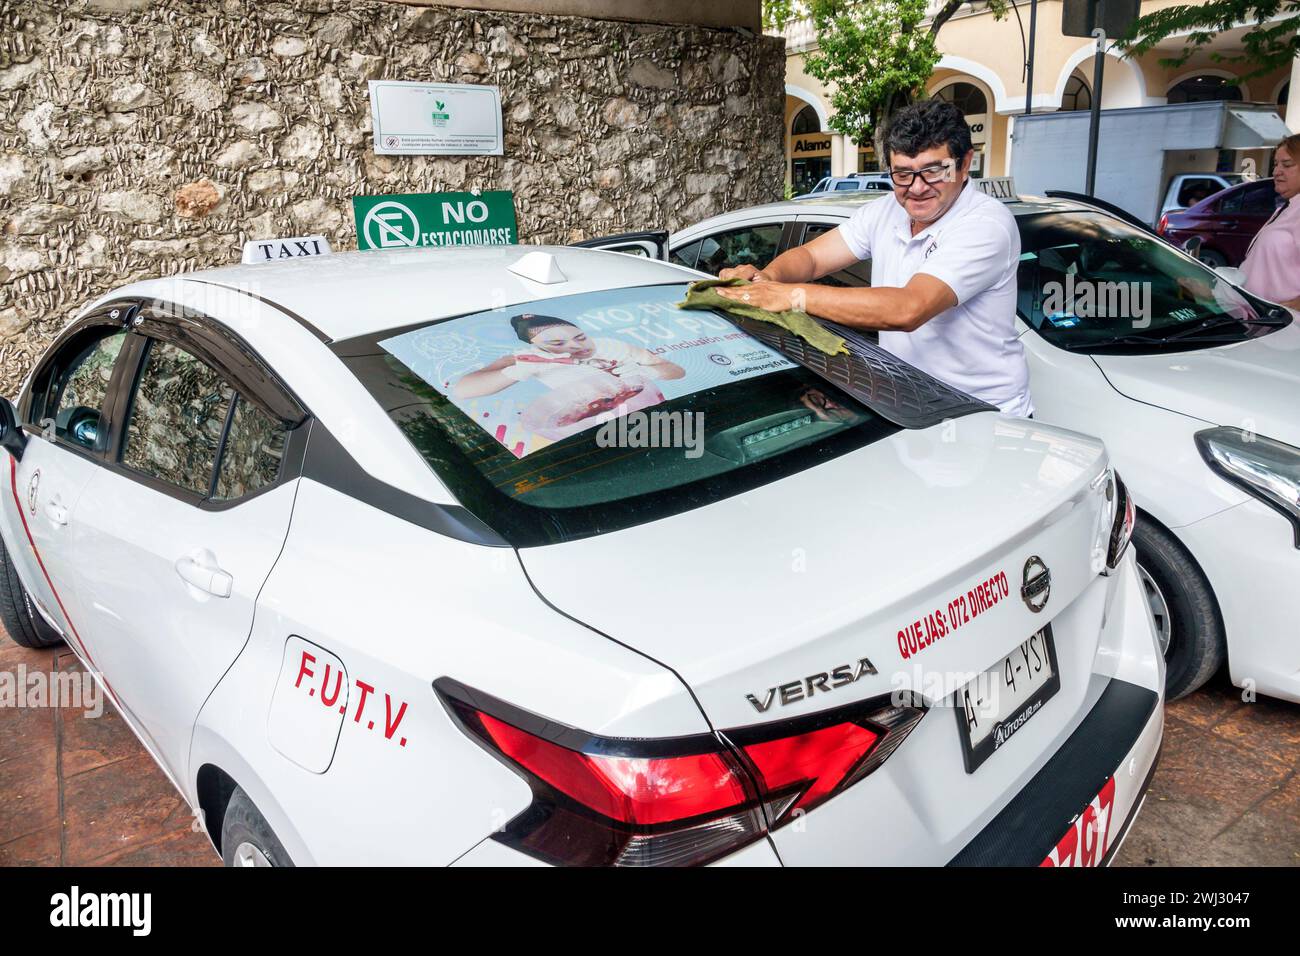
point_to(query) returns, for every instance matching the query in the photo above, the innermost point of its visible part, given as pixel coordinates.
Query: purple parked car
(1225, 222)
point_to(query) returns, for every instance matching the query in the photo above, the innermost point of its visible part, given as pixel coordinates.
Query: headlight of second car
(1266, 469)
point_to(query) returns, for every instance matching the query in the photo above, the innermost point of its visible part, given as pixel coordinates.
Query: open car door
(650, 245)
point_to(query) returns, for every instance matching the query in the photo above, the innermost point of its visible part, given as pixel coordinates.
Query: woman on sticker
(559, 353)
(588, 377)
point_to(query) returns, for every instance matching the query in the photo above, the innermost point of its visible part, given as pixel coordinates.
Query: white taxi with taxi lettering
(495, 555)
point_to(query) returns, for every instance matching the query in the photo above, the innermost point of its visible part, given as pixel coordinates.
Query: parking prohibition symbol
(391, 224)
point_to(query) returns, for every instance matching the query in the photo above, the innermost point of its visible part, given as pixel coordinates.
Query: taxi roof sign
(294, 247)
(999, 187)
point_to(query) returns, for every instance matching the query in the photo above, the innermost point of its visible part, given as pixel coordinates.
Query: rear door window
(1257, 199)
(858, 274)
(190, 429)
(178, 414)
(687, 254)
(749, 246)
(253, 452)
(1260, 199)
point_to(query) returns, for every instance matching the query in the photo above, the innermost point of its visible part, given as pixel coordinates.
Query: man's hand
(1192, 288)
(751, 273)
(772, 296)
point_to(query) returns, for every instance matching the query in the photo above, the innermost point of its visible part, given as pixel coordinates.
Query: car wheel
(1188, 624)
(17, 610)
(1211, 258)
(246, 838)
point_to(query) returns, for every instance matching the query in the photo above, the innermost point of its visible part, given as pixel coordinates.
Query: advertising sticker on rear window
(535, 374)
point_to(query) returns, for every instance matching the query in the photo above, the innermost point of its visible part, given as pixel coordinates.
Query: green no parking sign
(435, 219)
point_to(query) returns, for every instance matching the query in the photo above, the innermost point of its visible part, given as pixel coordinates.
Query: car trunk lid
(909, 554)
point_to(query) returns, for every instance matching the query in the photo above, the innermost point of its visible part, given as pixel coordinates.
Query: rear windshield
(578, 415)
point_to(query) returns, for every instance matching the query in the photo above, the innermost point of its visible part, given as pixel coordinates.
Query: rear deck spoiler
(896, 391)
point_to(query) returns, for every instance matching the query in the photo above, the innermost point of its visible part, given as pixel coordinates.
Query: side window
(188, 427)
(254, 449)
(686, 255)
(1260, 199)
(177, 417)
(858, 274)
(753, 245)
(846, 186)
(72, 397)
(1193, 191)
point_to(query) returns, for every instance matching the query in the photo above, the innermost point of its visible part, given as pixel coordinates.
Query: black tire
(244, 824)
(1197, 643)
(1212, 258)
(17, 612)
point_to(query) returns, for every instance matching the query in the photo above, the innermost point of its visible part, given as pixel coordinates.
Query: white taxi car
(495, 556)
(1192, 383)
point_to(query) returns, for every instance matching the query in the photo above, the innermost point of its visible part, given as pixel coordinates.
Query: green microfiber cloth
(704, 295)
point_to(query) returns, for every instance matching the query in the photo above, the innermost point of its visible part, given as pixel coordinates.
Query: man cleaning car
(944, 258)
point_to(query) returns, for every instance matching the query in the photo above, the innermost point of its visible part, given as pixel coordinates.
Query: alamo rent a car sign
(435, 219)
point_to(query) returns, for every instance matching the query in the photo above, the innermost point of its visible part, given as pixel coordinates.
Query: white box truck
(1150, 159)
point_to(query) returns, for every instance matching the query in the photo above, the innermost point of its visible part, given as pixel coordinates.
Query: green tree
(1272, 41)
(875, 54)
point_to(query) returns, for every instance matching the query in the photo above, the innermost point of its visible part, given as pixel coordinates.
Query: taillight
(1163, 225)
(675, 801)
(1121, 529)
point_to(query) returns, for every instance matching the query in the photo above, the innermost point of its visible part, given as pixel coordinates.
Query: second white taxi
(1190, 381)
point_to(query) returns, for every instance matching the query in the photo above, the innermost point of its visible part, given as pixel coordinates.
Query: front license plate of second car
(996, 704)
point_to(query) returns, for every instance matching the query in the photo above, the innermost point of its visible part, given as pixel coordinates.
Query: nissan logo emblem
(1038, 584)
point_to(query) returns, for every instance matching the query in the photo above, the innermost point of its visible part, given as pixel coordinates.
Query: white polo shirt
(974, 248)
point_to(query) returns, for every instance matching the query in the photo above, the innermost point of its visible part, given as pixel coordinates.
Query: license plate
(1087, 840)
(994, 706)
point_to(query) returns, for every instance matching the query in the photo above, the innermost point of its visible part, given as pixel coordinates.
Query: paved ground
(1227, 792)
(76, 790)
(80, 790)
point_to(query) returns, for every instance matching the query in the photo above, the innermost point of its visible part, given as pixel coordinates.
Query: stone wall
(147, 137)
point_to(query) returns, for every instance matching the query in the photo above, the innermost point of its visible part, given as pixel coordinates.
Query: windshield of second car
(1088, 281)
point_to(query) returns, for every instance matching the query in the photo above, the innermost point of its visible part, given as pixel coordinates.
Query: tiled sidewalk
(1227, 792)
(81, 790)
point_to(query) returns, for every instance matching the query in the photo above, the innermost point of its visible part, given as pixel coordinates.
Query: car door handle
(56, 511)
(203, 573)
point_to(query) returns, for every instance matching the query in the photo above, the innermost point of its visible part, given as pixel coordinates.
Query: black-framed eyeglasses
(931, 175)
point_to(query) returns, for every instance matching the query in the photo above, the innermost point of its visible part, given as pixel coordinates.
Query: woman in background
(1272, 265)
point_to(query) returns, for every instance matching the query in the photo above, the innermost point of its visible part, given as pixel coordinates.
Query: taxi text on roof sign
(294, 247)
(999, 187)
(435, 219)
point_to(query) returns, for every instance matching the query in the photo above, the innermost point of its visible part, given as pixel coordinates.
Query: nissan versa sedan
(1192, 383)
(495, 556)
